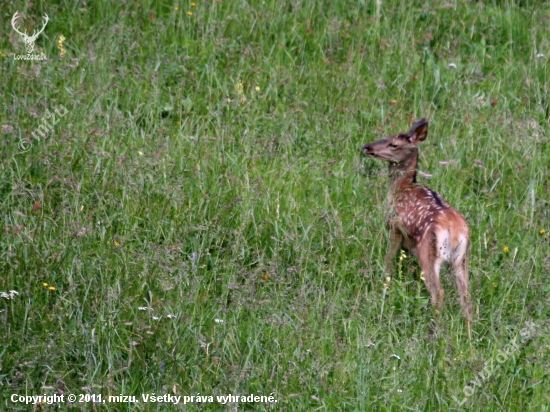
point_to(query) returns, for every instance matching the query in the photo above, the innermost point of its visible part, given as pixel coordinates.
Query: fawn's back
(424, 216)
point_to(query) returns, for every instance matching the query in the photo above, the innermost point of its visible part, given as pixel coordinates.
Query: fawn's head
(399, 147)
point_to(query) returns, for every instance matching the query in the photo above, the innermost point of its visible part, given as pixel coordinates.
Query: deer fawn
(420, 220)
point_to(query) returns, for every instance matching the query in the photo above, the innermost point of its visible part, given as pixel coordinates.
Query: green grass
(175, 185)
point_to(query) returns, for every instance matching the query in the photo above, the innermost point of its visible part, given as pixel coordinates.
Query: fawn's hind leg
(430, 265)
(462, 282)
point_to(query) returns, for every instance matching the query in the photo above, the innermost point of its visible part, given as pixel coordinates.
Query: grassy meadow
(201, 220)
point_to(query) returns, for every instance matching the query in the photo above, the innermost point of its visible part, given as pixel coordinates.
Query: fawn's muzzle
(367, 150)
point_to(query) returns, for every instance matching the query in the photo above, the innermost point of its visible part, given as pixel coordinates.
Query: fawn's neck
(402, 176)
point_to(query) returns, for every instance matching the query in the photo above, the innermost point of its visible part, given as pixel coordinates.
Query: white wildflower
(10, 295)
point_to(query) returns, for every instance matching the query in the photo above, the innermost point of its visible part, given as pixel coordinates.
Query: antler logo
(29, 40)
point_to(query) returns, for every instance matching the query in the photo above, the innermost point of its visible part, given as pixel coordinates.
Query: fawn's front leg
(396, 239)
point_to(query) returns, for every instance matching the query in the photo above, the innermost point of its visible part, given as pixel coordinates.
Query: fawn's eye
(393, 145)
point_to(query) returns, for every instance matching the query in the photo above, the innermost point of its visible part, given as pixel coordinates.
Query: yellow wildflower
(60, 41)
(257, 88)
(189, 13)
(176, 8)
(52, 288)
(393, 101)
(542, 231)
(505, 249)
(193, 4)
(45, 284)
(240, 91)
(116, 243)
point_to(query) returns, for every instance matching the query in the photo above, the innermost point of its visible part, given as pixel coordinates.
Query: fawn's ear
(419, 131)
